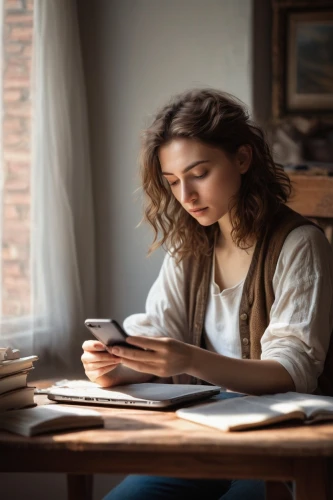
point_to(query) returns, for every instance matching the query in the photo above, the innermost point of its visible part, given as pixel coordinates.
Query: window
(17, 38)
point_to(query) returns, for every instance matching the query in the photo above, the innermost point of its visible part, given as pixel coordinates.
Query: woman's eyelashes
(201, 176)
(174, 183)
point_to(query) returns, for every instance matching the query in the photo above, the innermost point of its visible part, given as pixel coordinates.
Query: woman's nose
(187, 194)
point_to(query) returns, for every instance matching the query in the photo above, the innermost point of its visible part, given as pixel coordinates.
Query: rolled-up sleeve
(301, 318)
(165, 314)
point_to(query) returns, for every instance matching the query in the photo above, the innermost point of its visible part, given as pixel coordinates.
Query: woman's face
(203, 178)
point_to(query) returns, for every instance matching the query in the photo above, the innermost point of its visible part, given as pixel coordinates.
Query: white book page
(31, 417)
(38, 414)
(312, 405)
(17, 361)
(248, 411)
(14, 365)
(30, 422)
(255, 410)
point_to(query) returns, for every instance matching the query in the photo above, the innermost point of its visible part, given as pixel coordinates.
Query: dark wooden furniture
(313, 195)
(313, 198)
(155, 442)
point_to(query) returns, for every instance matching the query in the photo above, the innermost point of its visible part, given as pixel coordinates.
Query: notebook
(146, 395)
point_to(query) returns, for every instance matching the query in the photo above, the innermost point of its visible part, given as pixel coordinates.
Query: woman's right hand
(98, 363)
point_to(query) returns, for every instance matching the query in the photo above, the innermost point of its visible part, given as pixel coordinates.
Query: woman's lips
(198, 212)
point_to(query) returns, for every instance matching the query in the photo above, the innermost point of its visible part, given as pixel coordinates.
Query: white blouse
(301, 318)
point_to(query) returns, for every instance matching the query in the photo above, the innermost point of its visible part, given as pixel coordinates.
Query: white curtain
(1, 142)
(62, 253)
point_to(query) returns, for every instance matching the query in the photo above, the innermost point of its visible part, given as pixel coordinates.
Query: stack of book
(14, 370)
(16, 395)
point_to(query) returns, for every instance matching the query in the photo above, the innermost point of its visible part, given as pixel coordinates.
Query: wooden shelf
(313, 195)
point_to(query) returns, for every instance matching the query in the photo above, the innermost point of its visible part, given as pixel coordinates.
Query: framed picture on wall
(302, 57)
(309, 67)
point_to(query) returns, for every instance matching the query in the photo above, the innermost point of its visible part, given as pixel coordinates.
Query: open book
(247, 412)
(48, 418)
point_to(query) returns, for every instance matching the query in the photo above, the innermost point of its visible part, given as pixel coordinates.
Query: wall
(136, 54)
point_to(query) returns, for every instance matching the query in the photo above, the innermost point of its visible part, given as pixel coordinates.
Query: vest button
(245, 356)
(245, 341)
(243, 316)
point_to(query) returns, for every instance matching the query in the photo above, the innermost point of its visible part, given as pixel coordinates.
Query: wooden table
(151, 442)
(155, 442)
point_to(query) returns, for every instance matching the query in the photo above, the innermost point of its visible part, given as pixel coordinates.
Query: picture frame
(302, 58)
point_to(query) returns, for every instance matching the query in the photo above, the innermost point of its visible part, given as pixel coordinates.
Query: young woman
(244, 298)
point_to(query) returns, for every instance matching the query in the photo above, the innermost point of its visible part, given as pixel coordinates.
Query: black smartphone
(109, 332)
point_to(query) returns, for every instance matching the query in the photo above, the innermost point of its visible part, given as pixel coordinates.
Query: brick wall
(17, 50)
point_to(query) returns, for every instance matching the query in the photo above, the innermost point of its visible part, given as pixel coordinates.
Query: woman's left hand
(164, 356)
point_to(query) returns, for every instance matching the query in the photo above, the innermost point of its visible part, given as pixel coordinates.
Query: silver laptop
(137, 395)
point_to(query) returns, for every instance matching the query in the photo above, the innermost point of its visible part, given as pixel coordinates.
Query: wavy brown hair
(217, 119)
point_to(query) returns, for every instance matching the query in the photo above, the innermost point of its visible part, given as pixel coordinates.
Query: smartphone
(109, 332)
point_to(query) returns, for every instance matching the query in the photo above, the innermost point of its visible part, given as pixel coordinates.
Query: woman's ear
(244, 158)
